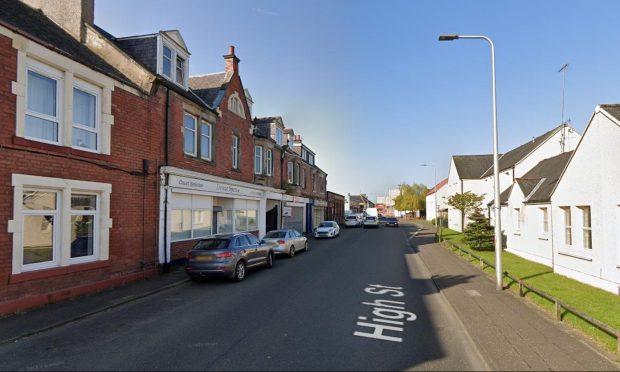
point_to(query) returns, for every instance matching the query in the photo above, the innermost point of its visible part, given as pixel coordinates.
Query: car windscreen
(326, 224)
(392, 219)
(275, 235)
(211, 244)
(351, 218)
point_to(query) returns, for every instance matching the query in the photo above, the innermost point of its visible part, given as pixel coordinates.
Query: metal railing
(559, 306)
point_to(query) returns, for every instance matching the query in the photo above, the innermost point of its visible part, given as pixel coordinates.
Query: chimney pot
(231, 50)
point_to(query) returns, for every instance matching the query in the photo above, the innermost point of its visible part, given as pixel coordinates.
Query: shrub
(479, 233)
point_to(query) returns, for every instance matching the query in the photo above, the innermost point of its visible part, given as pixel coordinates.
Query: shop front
(294, 212)
(194, 206)
(318, 212)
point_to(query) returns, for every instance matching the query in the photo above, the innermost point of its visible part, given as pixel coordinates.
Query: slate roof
(211, 88)
(472, 166)
(437, 187)
(143, 49)
(267, 119)
(612, 109)
(512, 157)
(503, 197)
(262, 130)
(549, 172)
(359, 199)
(34, 25)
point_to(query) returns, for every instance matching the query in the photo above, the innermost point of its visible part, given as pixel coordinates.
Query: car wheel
(291, 252)
(270, 260)
(306, 247)
(240, 271)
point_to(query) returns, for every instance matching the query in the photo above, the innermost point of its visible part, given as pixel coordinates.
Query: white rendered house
(437, 193)
(586, 206)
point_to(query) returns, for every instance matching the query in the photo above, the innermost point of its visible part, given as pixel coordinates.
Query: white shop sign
(202, 185)
(287, 211)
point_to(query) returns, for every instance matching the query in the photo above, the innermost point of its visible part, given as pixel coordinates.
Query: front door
(271, 222)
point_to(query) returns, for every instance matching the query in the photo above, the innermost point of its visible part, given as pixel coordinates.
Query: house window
(517, 220)
(303, 178)
(258, 160)
(304, 154)
(235, 105)
(180, 70)
(174, 64)
(296, 174)
(290, 172)
(279, 137)
(314, 182)
(43, 106)
(311, 159)
(568, 234)
(205, 140)
(189, 134)
(587, 227)
(544, 221)
(59, 222)
(86, 102)
(235, 152)
(167, 65)
(269, 160)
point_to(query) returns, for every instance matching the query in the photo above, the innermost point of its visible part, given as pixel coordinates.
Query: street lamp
(496, 207)
(436, 206)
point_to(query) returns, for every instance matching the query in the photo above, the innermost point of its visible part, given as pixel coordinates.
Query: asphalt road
(321, 310)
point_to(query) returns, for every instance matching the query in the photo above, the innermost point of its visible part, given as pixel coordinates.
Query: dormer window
(173, 64)
(235, 105)
(279, 137)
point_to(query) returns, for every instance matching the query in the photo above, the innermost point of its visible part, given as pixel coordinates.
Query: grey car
(227, 255)
(286, 241)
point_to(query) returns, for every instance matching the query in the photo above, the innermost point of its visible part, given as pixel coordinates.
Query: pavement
(525, 336)
(505, 331)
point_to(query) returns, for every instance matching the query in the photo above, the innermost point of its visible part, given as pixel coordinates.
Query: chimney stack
(232, 62)
(71, 15)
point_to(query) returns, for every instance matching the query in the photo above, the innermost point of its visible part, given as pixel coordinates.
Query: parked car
(352, 221)
(391, 221)
(371, 221)
(286, 241)
(382, 220)
(327, 229)
(228, 255)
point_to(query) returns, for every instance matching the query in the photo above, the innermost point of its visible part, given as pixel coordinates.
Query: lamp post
(434, 180)
(496, 207)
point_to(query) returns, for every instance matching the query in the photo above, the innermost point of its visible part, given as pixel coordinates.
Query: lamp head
(448, 37)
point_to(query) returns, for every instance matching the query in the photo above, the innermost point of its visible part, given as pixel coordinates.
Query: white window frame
(235, 151)
(585, 228)
(258, 160)
(279, 136)
(311, 159)
(235, 105)
(176, 52)
(55, 230)
(313, 182)
(303, 177)
(194, 131)
(64, 189)
(53, 74)
(544, 222)
(517, 220)
(290, 172)
(97, 92)
(209, 155)
(269, 161)
(568, 226)
(96, 219)
(296, 173)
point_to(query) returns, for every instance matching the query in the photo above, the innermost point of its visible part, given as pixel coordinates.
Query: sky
(372, 91)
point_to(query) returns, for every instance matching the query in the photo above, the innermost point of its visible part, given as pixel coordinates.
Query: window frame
(568, 226)
(279, 136)
(57, 215)
(97, 93)
(96, 228)
(587, 242)
(544, 222)
(290, 172)
(269, 161)
(258, 160)
(175, 53)
(52, 74)
(235, 151)
(195, 133)
(209, 138)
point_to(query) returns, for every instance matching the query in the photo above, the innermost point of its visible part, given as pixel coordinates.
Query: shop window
(241, 222)
(181, 224)
(191, 216)
(225, 225)
(252, 221)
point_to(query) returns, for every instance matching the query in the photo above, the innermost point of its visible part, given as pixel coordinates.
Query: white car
(352, 221)
(371, 221)
(327, 229)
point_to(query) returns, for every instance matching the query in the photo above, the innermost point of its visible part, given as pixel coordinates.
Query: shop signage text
(195, 184)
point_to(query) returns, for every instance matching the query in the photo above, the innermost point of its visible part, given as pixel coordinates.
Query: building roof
(545, 174)
(267, 119)
(612, 109)
(514, 156)
(472, 166)
(33, 24)
(262, 130)
(437, 187)
(211, 87)
(503, 197)
(359, 199)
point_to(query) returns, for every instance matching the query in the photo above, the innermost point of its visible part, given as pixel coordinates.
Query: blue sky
(372, 91)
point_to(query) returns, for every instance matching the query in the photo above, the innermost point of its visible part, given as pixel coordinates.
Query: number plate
(204, 258)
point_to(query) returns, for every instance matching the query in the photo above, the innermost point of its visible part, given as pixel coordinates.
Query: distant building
(335, 207)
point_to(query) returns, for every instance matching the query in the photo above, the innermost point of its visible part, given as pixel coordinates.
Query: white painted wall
(431, 210)
(526, 238)
(455, 186)
(591, 179)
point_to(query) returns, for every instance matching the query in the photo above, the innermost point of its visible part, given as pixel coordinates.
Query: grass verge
(595, 302)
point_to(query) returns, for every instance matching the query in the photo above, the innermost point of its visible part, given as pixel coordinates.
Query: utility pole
(563, 71)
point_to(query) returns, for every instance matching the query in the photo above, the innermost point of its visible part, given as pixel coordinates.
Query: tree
(412, 197)
(466, 202)
(479, 233)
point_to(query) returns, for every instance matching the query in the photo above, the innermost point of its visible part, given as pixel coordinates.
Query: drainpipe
(166, 264)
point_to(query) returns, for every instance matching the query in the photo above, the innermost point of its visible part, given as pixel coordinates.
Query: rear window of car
(370, 218)
(275, 234)
(211, 244)
(351, 218)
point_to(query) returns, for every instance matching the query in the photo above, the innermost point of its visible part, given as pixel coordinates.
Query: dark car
(227, 255)
(391, 221)
(382, 220)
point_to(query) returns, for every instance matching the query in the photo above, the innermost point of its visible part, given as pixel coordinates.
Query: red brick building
(335, 207)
